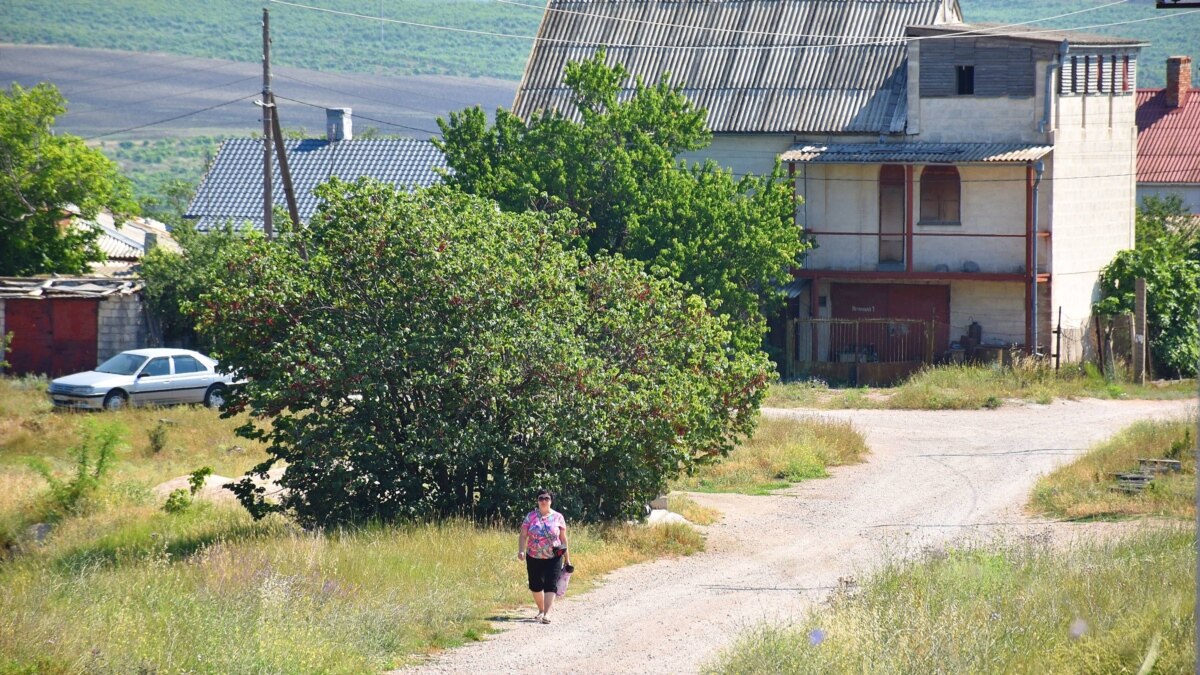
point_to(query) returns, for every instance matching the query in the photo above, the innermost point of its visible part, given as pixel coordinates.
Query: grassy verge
(966, 387)
(1083, 489)
(781, 452)
(119, 585)
(688, 508)
(1105, 608)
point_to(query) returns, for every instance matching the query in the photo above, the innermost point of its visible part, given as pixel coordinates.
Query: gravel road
(932, 477)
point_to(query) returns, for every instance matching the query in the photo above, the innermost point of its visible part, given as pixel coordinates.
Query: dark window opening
(940, 196)
(966, 80)
(1074, 74)
(891, 214)
(1125, 74)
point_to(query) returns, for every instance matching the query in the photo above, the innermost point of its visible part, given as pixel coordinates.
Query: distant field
(109, 91)
(321, 41)
(151, 95)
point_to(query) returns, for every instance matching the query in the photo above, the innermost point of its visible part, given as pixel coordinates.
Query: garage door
(895, 301)
(51, 337)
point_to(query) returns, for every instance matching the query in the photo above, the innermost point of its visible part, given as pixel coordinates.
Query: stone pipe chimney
(338, 124)
(1179, 80)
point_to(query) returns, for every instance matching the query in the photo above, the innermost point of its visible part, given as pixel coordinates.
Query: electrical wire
(662, 24)
(361, 117)
(890, 40)
(170, 119)
(127, 104)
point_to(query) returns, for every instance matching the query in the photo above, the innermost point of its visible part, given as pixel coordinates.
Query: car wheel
(115, 400)
(215, 396)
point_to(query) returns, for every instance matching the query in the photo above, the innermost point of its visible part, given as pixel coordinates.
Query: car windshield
(122, 364)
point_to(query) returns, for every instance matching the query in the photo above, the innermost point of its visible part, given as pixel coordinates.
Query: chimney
(1179, 80)
(338, 125)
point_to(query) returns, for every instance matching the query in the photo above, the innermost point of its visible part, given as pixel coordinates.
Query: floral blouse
(542, 533)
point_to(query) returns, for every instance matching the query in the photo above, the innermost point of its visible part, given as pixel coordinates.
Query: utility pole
(268, 111)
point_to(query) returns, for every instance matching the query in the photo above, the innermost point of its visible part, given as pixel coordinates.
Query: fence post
(789, 342)
(1058, 341)
(1139, 332)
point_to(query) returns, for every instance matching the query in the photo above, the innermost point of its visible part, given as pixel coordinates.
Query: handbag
(564, 579)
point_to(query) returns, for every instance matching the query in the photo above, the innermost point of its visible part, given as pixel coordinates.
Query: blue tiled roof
(232, 189)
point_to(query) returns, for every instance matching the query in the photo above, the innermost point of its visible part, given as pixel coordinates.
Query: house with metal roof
(1168, 122)
(231, 192)
(964, 184)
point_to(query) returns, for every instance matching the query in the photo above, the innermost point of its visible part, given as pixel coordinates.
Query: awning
(915, 153)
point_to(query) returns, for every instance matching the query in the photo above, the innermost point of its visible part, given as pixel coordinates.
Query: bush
(93, 460)
(428, 355)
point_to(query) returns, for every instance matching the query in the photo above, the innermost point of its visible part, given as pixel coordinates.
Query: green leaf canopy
(428, 355)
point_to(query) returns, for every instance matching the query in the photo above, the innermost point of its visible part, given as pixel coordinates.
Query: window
(940, 196)
(1074, 74)
(1125, 73)
(186, 364)
(891, 214)
(966, 80)
(156, 367)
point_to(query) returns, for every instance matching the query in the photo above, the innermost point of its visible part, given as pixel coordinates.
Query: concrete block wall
(743, 153)
(845, 198)
(998, 307)
(1190, 194)
(120, 325)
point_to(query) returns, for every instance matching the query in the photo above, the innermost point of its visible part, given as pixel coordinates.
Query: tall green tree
(176, 280)
(428, 355)
(41, 175)
(730, 240)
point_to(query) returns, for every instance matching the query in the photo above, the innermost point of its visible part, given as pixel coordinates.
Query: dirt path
(932, 477)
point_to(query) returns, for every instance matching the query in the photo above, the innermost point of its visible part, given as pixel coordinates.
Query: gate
(858, 351)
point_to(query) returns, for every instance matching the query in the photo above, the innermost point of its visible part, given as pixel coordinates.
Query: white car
(144, 377)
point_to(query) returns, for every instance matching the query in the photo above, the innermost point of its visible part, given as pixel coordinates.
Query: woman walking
(543, 547)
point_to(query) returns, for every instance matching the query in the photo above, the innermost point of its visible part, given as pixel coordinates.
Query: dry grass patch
(268, 597)
(1102, 608)
(781, 452)
(971, 387)
(1083, 489)
(688, 508)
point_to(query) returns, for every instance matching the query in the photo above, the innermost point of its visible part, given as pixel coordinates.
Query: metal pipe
(1038, 168)
(1059, 59)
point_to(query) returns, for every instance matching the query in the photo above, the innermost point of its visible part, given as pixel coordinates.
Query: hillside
(231, 29)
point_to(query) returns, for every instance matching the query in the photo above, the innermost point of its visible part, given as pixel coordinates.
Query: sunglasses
(543, 499)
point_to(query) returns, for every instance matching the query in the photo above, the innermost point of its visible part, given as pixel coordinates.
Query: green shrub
(93, 460)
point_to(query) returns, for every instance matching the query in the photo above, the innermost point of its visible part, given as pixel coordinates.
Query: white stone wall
(998, 307)
(743, 153)
(1190, 194)
(980, 119)
(120, 325)
(1093, 191)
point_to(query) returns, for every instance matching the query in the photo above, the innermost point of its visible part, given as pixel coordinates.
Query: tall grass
(1084, 488)
(212, 591)
(781, 452)
(124, 586)
(1103, 608)
(971, 387)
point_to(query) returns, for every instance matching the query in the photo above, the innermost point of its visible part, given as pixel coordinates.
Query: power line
(662, 24)
(157, 98)
(170, 119)
(886, 41)
(363, 117)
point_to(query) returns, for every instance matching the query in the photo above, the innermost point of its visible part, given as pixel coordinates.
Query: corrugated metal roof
(67, 287)
(915, 153)
(232, 189)
(1168, 138)
(754, 65)
(1028, 33)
